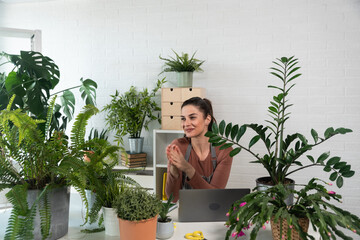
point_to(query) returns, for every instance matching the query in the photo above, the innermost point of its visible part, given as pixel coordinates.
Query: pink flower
(242, 204)
(227, 214)
(234, 208)
(329, 234)
(331, 192)
(237, 219)
(264, 227)
(234, 234)
(273, 198)
(330, 184)
(241, 233)
(283, 237)
(267, 222)
(291, 226)
(354, 230)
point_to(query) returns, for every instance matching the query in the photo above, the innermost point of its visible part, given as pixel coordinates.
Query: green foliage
(182, 63)
(41, 163)
(312, 201)
(132, 111)
(282, 152)
(165, 210)
(33, 78)
(136, 204)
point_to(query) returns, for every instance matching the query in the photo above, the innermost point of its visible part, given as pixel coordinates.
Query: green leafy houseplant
(29, 160)
(312, 202)
(282, 152)
(164, 211)
(33, 79)
(182, 63)
(136, 204)
(132, 111)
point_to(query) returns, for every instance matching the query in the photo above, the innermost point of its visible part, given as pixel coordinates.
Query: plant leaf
(254, 140)
(234, 152)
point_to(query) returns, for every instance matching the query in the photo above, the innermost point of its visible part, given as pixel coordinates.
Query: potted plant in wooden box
(282, 153)
(311, 207)
(184, 66)
(38, 171)
(130, 112)
(165, 225)
(137, 211)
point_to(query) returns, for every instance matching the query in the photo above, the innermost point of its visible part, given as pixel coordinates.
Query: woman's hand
(177, 159)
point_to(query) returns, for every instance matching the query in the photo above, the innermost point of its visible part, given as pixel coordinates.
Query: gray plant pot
(164, 230)
(185, 79)
(263, 187)
(59, 199)
(136, 145)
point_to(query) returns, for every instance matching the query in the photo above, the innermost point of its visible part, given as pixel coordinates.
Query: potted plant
(184, 66)
(137, 211)
(282, 152)
(33, 79)
(38, 172)
(312, 205)
(165, 225)
(130, 112)
(94, 134)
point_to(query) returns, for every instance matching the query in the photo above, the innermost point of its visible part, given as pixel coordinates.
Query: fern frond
(45, 216)
(49, 115)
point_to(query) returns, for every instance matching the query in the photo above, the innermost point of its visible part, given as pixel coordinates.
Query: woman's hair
(204, 105)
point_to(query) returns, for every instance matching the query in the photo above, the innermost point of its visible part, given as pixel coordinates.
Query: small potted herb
(184, 66)
(165, 225)
(137, 211)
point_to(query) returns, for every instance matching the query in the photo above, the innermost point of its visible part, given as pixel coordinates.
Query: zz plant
(282, 152)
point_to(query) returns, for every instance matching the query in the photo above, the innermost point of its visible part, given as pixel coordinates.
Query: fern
(45, 216)
(49, 116)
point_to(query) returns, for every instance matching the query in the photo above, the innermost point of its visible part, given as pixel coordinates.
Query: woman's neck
(200, 144)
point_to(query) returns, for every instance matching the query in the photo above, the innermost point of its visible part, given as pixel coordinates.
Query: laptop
(207, 205)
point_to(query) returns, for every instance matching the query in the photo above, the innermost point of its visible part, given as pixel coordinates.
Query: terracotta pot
(135, 230)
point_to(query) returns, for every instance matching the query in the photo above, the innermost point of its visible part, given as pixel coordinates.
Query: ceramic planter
(135, 230)
(165, 230)
(184, 79)
(59, 199)
(262, 185)
(136, 145)
(91, 197)
(111, 222)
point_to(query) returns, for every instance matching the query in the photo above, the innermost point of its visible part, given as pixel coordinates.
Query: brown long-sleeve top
(202, 168)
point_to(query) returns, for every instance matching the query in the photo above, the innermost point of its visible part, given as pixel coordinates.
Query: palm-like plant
(281, 153)
(29, 160)
(182, 63)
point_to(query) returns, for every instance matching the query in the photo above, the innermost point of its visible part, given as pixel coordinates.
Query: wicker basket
(275, 229)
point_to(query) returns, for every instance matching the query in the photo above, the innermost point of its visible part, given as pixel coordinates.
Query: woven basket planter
(275, 229)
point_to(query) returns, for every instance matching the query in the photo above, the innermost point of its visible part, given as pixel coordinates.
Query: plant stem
(314, 164)
(246, 149)
(65, 90)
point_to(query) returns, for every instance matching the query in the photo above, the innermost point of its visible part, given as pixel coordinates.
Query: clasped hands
(178, 162)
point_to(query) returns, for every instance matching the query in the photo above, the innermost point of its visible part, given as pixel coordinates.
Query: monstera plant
(33, 79)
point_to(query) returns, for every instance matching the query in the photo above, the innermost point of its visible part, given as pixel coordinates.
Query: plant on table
(282, 152)
(132, 111)
(312, 202)
(29, 160)
(164, 211)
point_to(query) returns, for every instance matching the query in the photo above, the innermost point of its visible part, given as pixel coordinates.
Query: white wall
(117, 43)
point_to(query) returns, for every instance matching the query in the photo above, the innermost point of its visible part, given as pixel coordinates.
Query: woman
(192, 162)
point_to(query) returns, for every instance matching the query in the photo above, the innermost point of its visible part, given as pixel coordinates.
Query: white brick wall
(117, 43)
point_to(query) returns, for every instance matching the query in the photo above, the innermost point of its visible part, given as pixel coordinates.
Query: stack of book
(135, 160)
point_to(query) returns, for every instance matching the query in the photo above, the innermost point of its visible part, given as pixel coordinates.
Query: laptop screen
(207, 205)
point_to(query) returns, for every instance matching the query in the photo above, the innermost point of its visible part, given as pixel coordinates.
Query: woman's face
(193, 121)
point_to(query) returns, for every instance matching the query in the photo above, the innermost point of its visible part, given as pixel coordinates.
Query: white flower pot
(111, 222)
(164, 230)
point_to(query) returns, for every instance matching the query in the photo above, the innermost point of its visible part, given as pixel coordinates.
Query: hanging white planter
(111, 222)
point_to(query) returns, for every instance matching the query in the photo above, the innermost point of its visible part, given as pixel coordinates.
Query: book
(133, 155)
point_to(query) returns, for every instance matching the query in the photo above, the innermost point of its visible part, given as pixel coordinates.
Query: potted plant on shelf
(183, 66)
(312, 205)
(38, 172)
(33, 79)
(281, 152)
(137, 211)
(130, 112)
(165, 225)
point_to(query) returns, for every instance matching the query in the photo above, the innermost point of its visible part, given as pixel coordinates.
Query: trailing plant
(132, 111)
(282, 152)
(164, 211)
(31, 160)
(182, 63)
(312, 201)
(136, 204)
(33, 79)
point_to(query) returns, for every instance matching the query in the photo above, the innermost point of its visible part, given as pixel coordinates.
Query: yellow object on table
(197, 235)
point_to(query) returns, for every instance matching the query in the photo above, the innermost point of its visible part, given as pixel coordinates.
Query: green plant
(182, 63)
(165, 210)
(282, 153)
(29, 160)
(312, 202)
(132, 111)
(136, 204)
(32, 79)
